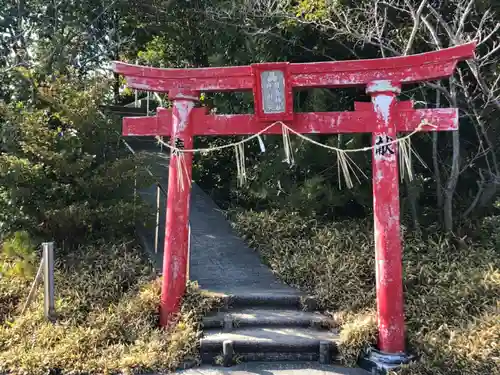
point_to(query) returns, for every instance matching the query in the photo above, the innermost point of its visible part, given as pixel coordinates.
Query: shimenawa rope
(344, 162)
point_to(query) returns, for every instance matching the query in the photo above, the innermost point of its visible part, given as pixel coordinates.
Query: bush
(64, 174)
(315, 257)
(107, 302)
(451, 292)
(18, 255)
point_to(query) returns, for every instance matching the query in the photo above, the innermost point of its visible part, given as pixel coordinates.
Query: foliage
(336, 30)
(357, 333)
(451, 289)
(17, 256)
(459, 178)
(63, 171)
(107, 301)
(197, 33)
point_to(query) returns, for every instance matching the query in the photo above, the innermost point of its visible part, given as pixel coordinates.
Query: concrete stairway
(270, 331)
(262, 319)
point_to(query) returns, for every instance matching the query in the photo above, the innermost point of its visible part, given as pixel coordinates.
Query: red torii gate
(272, 85)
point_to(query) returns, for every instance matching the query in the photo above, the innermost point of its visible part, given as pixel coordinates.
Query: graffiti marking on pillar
(179, 143)
(384, 149)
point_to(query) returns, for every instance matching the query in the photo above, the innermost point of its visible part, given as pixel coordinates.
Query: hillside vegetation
(66, 177)
(451, 292)
(107, 318)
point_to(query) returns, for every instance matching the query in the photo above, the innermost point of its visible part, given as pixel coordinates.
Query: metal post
(178, 199)
(135, 194)
(147, 103)
(157, 228)
(389, 278)
(136, 94)
(189, 251)
(48, 268)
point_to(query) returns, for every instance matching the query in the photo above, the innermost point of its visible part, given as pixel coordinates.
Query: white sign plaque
(273, 91)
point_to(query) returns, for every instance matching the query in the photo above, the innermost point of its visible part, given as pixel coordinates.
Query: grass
(107, 301)
(451, 292)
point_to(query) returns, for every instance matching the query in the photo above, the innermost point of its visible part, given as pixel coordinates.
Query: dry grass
(357, 332)
(451, 293)
(107, 300)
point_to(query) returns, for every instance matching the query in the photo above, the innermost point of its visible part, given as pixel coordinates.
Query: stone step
(255, 317)
(284, 299)
(268, 344)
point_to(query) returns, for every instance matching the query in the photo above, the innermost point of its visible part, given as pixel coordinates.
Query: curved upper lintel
(405, 69)
(193, 79)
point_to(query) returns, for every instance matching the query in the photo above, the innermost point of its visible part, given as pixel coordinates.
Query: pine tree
(64, 173)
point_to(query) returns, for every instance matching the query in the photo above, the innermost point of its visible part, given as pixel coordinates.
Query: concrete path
(256, 368)
(221, 262)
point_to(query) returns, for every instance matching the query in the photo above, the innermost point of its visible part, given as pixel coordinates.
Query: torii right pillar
(388, 265)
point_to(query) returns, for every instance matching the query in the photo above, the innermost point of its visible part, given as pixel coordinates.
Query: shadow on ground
(275, 369)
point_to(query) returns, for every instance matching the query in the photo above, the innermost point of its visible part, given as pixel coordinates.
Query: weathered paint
(201, 84)
(389, 282)
(382, 104)
(177, 220)
(360, 121)
(383, 86)
(183, 109)
(349, 78)
(415, 68)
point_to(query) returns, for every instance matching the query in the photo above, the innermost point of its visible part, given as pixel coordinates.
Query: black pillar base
(379, 363)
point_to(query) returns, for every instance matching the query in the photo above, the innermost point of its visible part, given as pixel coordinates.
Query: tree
(463, 174)
(400, 27)
(64, 174)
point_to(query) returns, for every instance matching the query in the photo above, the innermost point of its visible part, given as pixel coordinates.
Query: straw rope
(345, 163)
(307, 139)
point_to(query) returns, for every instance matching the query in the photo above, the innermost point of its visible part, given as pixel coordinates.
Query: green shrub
(17, 256)
(107, 307)
(451, 292)
(64, 174)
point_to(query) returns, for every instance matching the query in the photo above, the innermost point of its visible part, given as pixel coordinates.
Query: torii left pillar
(178, 201)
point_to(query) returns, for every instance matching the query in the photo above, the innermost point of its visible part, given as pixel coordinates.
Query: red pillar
(179, 191)
(390, 306)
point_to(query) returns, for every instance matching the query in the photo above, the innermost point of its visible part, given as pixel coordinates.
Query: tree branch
(465, 14)
(416, 24)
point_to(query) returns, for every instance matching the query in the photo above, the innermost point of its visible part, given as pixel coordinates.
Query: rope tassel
(346, 166)
(240, 164)
(261, 144)
(406, 153)
(182, 172)
(405, 162)
(287, 145)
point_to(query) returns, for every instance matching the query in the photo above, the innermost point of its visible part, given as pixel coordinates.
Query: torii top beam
(406, 69)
